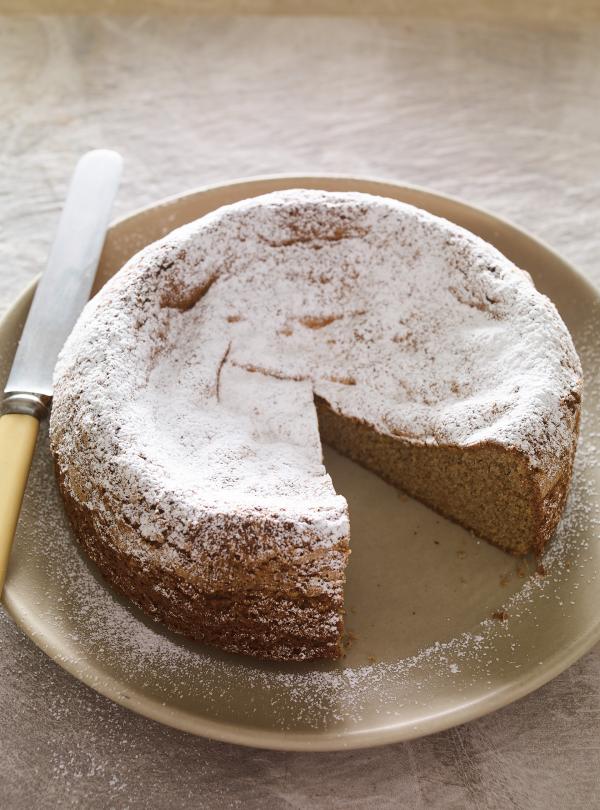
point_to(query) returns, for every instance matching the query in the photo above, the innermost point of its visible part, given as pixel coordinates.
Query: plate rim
(310, 741)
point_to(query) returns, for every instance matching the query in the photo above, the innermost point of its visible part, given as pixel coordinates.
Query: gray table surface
(501, 110)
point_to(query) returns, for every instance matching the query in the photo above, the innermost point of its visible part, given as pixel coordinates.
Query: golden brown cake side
(243, 602)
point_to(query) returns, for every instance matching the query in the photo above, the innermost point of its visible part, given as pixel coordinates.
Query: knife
(60, 296)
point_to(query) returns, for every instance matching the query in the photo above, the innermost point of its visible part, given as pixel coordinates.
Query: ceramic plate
(442, 627)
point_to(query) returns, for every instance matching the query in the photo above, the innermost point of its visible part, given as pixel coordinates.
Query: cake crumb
(522, 569)
(349, 639)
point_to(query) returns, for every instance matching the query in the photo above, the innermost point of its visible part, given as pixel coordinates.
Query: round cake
(192, 398)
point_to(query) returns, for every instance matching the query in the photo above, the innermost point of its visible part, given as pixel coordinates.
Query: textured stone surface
(503, 112)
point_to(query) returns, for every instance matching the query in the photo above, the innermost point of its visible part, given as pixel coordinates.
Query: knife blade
(66, 283)
(59, 298)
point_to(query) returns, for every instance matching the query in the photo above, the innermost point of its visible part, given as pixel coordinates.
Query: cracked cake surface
(195, 390)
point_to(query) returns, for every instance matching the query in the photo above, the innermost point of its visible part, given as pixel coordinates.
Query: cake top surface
(191, 375)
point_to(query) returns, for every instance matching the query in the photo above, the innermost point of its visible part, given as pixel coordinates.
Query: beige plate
(426, 652)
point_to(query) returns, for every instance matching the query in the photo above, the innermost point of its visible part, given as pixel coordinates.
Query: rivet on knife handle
(59, 298)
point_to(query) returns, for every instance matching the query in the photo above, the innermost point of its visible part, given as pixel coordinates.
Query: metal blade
(65, 285)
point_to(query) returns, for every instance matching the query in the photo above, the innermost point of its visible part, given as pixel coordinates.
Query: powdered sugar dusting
(392, 315)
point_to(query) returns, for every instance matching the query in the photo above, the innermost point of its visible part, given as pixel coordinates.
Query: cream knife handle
(18, 433)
